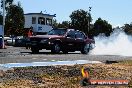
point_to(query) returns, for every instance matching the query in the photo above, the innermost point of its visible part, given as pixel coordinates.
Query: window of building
(48, 21)
(41, 20)
(33, 20)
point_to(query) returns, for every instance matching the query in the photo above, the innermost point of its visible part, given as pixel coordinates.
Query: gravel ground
(22, 55)
(64, 76)
(58, 76)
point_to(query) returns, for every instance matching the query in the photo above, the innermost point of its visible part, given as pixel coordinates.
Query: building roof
(40, 14)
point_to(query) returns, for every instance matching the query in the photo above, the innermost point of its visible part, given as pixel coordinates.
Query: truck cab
(65, 40)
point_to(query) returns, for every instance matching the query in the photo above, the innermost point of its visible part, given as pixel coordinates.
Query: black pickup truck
(65, 40)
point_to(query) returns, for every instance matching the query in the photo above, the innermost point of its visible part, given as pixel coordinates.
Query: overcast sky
(116, 12)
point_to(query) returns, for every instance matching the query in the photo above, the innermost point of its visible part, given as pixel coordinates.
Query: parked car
(65, 40)
(21, 42)
(9, 41)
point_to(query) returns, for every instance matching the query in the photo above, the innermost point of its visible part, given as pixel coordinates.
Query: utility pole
(89, 18)
(3, 21)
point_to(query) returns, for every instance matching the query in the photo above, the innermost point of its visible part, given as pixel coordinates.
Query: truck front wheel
(85, 49)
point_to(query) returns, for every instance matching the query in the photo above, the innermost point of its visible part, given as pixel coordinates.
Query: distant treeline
(79, 20)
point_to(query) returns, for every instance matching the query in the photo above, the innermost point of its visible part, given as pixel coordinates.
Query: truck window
(71, 34)
(80, 35)
(57, 32)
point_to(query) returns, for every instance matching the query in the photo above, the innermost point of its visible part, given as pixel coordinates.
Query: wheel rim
(57, 48)
(86, 48)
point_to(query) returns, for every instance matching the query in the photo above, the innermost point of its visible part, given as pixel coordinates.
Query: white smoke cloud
(117, 44)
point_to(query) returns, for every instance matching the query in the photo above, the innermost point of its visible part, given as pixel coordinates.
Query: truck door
(79, 37)
(70, 40)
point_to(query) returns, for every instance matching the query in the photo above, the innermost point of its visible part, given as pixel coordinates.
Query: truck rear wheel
(34, 50)
(85, 49)
(56, 48)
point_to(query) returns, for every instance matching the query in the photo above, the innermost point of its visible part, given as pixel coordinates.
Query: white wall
(45, 28)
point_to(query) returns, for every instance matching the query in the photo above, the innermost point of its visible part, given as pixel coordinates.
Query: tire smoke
(117, 44)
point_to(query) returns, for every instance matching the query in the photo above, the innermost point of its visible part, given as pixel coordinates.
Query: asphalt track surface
(22, 55)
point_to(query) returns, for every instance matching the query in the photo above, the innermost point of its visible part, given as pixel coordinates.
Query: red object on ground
(87, 80)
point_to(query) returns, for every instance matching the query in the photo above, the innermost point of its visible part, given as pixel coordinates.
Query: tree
(14, 20)
(102, 26)
(64, 24)
(55, 24)
(128, 29)
(80, 19)
(7, 3)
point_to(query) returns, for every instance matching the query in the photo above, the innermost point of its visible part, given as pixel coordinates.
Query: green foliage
(55, 24)
(80, 19)
(64, 24)
(14, 20)
(101, 26)
(7, 3)
(128, 29)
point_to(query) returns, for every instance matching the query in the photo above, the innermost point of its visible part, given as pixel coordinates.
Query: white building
(41, 23)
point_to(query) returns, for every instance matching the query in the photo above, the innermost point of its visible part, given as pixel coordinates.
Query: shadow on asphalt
(51, 53)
